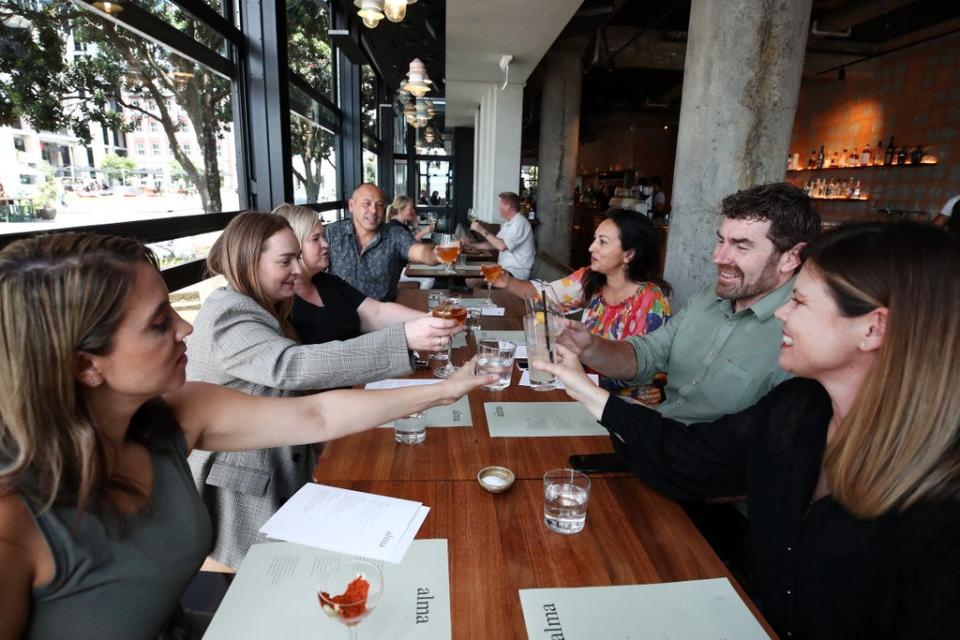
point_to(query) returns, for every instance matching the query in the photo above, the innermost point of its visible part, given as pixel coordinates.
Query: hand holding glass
(496, 357)
(490, 271)
(450, 309)
(448, 250)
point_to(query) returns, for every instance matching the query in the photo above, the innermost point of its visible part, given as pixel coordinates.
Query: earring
(92, 382)
(863, 344)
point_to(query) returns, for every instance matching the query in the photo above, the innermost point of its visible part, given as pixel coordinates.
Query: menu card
(692, 610)
(475, 302)
(274, 595)
(516, 337)
(451, 415)
(493, 311)
(346, 521)
(540, 420)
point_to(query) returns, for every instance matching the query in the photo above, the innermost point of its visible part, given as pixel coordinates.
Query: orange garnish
(352, 603)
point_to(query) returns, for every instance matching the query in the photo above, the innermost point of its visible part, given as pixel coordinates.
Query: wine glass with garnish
(452, 310)
(358, 585)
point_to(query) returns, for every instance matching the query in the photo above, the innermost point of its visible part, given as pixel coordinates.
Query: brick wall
(913, 95)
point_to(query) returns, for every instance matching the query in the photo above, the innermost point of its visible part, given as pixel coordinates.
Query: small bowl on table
(495, 479)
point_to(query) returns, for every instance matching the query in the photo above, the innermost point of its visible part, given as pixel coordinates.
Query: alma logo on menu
(499, 411)
(387, 537)
(552, 617)
(423, 605)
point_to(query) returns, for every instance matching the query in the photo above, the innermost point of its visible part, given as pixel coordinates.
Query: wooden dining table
(498, 543)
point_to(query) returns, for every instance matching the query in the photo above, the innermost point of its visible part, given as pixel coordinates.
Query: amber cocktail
(490, 272)
(449, 311)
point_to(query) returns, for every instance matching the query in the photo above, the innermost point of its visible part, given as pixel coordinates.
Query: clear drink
(565, 507)
(473, 319)
(541, 380)
(410, 429)
(496, 357)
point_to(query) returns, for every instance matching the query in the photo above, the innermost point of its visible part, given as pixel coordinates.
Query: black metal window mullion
(212, 18)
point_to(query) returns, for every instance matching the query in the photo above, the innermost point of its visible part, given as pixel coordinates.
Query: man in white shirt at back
(514, 241)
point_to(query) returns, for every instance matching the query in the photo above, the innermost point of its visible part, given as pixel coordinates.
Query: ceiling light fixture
(109, 7)
(395, 10)
(417, 79)
(372, 12)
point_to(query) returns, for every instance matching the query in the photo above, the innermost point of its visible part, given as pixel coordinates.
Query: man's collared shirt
(377, 270)
(517, 234)
(717, 361)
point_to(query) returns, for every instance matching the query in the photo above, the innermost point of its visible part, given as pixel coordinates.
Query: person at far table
(620, 293)
(720, 350)
(243, 339)
(101, 529)
(514, 240)
(369, 254)
(402, 213)
(325, 307)
(851, 469)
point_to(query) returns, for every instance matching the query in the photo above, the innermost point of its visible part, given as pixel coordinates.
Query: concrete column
(497, 147)
(740, 87)
(559, 147)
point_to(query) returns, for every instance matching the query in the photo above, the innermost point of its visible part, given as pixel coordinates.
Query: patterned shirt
(644, 311)
(377, 270)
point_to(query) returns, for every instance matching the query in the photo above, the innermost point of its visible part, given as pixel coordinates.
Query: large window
(309, 52)
(313, 144)
(160, 90)
(368, 100)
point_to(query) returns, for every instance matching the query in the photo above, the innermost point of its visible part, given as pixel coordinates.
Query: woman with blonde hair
(402, 213)
(325, 306)
(852, 469)
(243, 339)
(101, 528)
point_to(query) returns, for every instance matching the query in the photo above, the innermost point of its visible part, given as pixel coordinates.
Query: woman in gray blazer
(242, 339)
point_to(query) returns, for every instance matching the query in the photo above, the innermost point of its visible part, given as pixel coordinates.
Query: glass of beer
(491, 271)
(451, 310)
(448, 250)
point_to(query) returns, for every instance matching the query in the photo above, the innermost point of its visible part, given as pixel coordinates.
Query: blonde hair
(399, 204)
(236, 254)
(301, 219)
(60, 295)
(900, 442)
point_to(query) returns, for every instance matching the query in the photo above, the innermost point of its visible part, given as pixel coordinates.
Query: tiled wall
(913, 95)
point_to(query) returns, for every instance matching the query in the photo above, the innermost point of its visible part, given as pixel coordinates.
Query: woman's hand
(579, 387)
(463, 381)
(429, 333)
(421, 233)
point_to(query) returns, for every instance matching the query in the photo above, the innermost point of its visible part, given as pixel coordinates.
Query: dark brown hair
(788, 209)
(637, 233)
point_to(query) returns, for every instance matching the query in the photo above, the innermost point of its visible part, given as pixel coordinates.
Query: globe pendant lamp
(372, 12)
(417, 79)
(395, 10)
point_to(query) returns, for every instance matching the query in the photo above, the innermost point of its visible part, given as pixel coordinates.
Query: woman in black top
(851, 469)
(326, 307)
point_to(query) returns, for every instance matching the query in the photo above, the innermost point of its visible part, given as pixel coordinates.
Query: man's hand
(478, 227)
(575, 337)
(429, 333)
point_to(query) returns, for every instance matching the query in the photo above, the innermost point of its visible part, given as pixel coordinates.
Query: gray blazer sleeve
(248, 344)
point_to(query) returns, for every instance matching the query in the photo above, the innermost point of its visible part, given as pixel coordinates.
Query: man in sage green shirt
(720, 350)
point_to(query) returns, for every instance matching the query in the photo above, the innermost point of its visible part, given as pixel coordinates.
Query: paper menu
(516, 337)
(456, 414)
(493, 311)
(274, 596)
(691, 610)
(346, 521)
(540, 420)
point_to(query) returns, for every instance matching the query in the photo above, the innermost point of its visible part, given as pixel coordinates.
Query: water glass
(496, 357)
(565, 496)
(542, 346)
(473, 318)
(411, 429)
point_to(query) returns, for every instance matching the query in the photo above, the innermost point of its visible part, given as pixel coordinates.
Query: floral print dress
(644, 311)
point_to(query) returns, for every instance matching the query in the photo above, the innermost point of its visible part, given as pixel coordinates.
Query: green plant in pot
(44, 202)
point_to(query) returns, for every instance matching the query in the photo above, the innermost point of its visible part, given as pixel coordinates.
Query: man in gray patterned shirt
(369, 254)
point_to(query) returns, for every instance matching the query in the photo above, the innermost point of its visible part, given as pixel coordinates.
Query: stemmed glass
(471, 216)
(490, 271)
(448, 250)
(432, 221)
(451, 309)
(358, 585)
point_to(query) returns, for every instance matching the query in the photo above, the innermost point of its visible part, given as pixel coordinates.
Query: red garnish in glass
(353, 602)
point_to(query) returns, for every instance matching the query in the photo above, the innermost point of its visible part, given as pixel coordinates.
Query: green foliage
(115, 165)
(46, 196)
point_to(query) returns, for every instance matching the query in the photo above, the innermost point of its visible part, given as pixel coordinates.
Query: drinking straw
(546, 321)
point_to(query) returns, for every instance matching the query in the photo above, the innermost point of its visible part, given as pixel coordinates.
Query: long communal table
(498, 543)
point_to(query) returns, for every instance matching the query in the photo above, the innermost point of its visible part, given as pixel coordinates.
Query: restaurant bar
(557, 319)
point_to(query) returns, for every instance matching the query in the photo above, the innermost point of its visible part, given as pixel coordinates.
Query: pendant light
(417, 79)
(395, 10)
(372, 12)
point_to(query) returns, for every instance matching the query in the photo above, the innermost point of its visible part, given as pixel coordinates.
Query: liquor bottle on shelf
(812, 160)
(853, 160)
(820, 158)
(795, 161)
(902, 154)
(842, 160)
(888, 156)
(865, 156)
(856, 190)
(916, 156)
